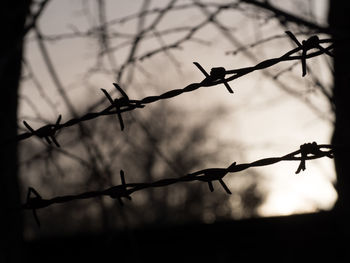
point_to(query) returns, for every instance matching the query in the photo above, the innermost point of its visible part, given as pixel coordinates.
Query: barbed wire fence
(215, 77)
(307, 151)
(304, 50)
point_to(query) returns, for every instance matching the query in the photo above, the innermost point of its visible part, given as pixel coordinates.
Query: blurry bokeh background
(149, 47)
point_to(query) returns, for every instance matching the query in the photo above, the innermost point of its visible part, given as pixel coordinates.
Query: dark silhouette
(340, 28)
(12, 16)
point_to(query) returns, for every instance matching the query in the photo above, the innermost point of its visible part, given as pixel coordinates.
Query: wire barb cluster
(307, 151)
(215, 74)
(213, 174)
(124, 101)
(35, 203)
(119, 191)
(47, 132)
(314, 150)
(306, 45)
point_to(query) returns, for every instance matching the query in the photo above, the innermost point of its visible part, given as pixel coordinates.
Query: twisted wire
(217, 76)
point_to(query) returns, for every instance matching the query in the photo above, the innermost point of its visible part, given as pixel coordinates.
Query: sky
(263, 118)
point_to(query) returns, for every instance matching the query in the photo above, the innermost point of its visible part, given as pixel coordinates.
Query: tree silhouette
(13, 15)
(339, 24)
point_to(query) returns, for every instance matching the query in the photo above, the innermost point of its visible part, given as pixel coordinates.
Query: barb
(217, 76)
(310, 43)
(314, 150)
(118, 103)
(212, 174)
(47, 132)
(308, 151)
(34, 203)
(119, 191)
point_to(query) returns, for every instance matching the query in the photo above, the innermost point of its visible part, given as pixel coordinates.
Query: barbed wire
(307, 151)
(118, 106)
(217, 75)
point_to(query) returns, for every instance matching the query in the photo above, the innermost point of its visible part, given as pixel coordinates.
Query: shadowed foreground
(307, 238)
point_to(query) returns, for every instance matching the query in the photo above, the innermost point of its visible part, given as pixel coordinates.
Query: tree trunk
(339, 20)
(12, 17)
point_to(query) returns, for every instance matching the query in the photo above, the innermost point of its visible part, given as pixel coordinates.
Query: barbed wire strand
(307, 151)
(217, 76)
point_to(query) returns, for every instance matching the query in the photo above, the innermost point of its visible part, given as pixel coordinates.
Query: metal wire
(217, 76)
(307, 151)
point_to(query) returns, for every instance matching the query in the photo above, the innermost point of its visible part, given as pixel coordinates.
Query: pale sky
(265, 120)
